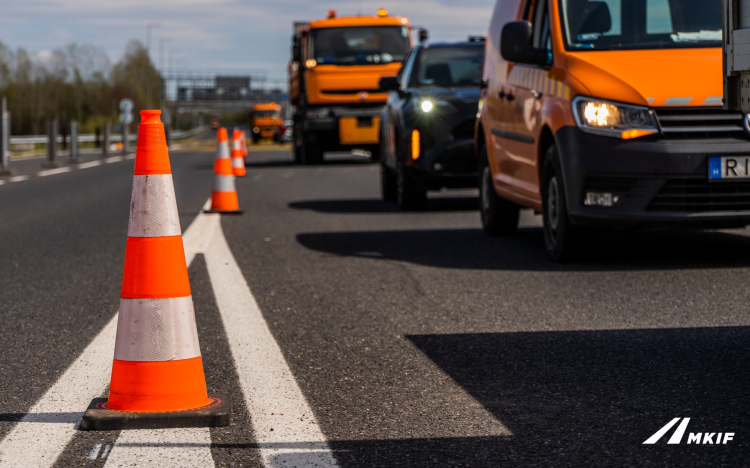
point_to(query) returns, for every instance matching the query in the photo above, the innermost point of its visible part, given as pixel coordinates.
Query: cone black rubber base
(98, 418)
(235, 212)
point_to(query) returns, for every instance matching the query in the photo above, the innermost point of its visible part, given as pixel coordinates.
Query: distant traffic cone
(224, 195)
(244, 144)
(238, 158)
(157, 375)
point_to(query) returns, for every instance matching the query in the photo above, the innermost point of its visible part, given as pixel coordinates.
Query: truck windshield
(450, 66)
(641, 24)
(267, 114)
(369, 45)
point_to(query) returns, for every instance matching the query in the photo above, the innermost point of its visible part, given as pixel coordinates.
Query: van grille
(697, 123)
(698, 195)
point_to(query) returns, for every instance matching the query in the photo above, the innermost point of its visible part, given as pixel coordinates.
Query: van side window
(542, 39)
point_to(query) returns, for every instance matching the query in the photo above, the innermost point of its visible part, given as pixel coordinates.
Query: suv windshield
(359, 45)
(641, 24)
(450, 66)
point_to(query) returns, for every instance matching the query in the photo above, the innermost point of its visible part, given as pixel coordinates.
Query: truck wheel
(563, 240)
(388, 184)
(499, 216)
(409, 195)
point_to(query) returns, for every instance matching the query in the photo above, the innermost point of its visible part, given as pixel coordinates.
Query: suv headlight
(611, 119)
(428, 106)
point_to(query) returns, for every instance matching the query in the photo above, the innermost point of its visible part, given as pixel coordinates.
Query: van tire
(563, 240)
(499, 216)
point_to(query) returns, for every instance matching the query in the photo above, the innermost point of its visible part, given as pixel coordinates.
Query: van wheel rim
(553, 207)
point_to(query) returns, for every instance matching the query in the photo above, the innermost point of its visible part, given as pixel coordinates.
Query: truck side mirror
(423, 35)
(515, 44)
(389, 83)
(296, 53)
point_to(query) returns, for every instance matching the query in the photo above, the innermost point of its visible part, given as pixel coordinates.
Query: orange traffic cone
(244, 144)
(157, 375)
(238, 158)
(224, 194)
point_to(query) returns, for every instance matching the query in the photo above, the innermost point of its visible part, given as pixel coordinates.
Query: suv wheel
(562, 239)
(410, 196)
(499, 216)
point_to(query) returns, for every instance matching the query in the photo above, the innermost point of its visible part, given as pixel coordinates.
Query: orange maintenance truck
(266, 122)
(337, 63)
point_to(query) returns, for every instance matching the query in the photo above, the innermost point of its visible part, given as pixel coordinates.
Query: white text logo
(709, 438)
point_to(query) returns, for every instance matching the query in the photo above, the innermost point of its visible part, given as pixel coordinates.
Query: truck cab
(266, 122)
(337, 63)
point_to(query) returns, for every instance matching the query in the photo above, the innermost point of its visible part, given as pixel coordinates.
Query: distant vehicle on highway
(214, 124)
(586, 115)
(427, 131)
(266, 122)
(336, 65)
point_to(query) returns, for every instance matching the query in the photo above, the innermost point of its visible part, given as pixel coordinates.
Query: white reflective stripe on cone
(223, 150)
(224, 183)
(153, 208)
(156, 330)
(238, 162)
(236, 144)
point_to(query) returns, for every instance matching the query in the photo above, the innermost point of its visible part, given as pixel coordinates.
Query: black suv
(427, 126)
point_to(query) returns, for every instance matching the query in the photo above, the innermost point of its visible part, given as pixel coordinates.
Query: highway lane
(415, 339)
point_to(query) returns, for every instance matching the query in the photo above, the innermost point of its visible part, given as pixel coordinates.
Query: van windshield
(267, 114)
(451, 66)
(640, 24)
(369, 45)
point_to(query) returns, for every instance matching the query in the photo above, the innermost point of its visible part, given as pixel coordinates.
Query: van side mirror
(389, 83)
(515, 44)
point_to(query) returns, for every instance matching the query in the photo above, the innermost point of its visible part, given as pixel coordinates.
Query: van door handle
(505, 97)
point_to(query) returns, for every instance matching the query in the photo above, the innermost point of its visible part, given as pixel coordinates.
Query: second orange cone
(224, 194)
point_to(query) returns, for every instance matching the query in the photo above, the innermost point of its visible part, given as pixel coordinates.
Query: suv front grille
(464, 129)
(698, 195)
(698, 123)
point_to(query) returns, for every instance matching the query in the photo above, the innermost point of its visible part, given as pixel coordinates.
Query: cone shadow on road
(374, 205)
(472, 249)
(591, 398)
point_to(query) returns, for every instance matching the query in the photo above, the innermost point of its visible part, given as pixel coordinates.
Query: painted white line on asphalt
(39, 438)
(89, 164)
(113, 159)
(285, 426)
(42, 435)
(2, 182)
(162, 448)
(94, 452)
(19, 178)
(129, 157)
(60, 170)
(198, 235)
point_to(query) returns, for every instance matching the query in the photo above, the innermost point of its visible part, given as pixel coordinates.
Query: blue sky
(226, 34)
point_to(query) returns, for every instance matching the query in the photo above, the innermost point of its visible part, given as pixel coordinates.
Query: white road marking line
(59, 170)
(129, 157)
(285, 426)
(89, 164)
(50, 424)
(163, 448)
(19, 178)
(113, 159)
(2, 182)
(106, 451)
(94, 452)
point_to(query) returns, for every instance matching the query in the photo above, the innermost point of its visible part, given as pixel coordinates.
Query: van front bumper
(656, 181)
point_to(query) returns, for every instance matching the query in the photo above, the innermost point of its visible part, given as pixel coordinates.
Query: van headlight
(611, 119)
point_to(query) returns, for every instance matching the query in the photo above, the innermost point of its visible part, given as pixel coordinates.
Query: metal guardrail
(88, 138)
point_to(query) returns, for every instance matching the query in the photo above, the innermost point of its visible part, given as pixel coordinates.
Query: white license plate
(729, 167)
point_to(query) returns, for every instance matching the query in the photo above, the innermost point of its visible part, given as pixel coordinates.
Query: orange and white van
(608, 113)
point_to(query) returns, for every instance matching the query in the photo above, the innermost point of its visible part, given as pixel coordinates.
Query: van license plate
(729, 167)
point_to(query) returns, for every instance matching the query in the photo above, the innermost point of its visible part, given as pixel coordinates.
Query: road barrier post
(105, 143)
(51, 143)
(4, 138)
(125, 146)
(73, 142)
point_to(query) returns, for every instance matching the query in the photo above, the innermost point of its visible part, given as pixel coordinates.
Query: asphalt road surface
(399, 339)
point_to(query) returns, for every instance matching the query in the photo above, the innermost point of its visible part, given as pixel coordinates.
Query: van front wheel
(563, 240)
